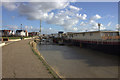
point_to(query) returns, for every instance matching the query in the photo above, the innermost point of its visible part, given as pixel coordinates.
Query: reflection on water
(75, 62)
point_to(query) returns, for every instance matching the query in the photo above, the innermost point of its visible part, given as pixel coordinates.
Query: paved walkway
(18, 61)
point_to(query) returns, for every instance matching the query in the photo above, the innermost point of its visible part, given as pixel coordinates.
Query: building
(21, 33)
(31, 34)
(6, 33)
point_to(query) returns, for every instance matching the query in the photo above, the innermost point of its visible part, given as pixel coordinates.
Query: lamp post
(40, 32)
(21, 26)
(40, 27)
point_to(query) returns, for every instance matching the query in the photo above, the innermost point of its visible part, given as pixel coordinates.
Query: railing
(110, 37)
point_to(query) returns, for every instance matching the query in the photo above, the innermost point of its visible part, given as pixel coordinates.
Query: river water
(76, 62)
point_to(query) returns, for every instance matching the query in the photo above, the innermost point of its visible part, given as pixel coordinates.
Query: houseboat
(101, 40)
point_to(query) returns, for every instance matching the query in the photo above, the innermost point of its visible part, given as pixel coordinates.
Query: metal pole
(40, 32)
(40, 26)
(21, 26)
(99, 26)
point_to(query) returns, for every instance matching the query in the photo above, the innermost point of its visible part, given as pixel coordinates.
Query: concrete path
(18, 61)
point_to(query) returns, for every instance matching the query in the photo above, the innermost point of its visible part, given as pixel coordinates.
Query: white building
(21, 33)
(6, 33)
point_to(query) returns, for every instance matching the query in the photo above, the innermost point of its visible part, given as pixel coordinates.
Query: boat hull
(107, 47)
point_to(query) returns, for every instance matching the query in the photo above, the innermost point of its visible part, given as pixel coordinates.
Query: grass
(13, 37)
(55, 76)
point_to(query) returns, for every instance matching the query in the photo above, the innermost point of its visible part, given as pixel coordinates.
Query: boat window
(91, 34)
(115, 34)
(110, 34)
(83, 34)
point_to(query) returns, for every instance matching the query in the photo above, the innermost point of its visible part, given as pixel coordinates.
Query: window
(91, 34)
(110, 34)
(83, 34)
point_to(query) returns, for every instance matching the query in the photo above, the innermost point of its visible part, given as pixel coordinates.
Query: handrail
(110, 37)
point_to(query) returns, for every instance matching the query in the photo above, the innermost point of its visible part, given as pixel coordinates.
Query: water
(76, 62)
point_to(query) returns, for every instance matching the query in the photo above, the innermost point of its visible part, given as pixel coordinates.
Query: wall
(87, 36)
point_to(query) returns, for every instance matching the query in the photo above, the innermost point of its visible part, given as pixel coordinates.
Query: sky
(60, 16)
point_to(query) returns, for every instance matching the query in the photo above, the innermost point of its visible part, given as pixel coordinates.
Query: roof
(21, 30)
(90, 32)
(33, 32)
(5, 30)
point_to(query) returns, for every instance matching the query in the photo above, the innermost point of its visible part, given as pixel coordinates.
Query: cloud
(95, 28)
(74, 8)
(58, 13)
(118, 26)
(34, 11)
(13, 17)
(92, 25)
(11, 27)
(109, 16)
(48, 30)
(37, 11)
(83, 24)
(65, 14)
(81, 17)
(109, 24)
(0, 3)
(96, 17)
(10, 5)
(75, 29)
(31, 28)
(40, 10)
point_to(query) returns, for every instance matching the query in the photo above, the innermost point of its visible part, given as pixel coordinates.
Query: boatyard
(60, 40)
(70, 55)
(67, 61)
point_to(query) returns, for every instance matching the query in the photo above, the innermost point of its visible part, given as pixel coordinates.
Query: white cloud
(96, 17)
(74, 8)
(75, 29)
(82, 17)
(50, 28)
(118, 26)
(31, 28)
(37, 11)
(109, 16)
(91, 21)
(109, 24)
(44, 11)
(95, 28)
(11, 27)
(10, 5)
(66, 15)
(83, 24)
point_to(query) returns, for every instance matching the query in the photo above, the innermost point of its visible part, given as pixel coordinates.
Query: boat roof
(92, 32)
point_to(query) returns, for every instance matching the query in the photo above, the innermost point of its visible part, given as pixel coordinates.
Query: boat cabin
(94, 35)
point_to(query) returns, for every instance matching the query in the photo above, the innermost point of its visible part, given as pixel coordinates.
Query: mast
(40, 26)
